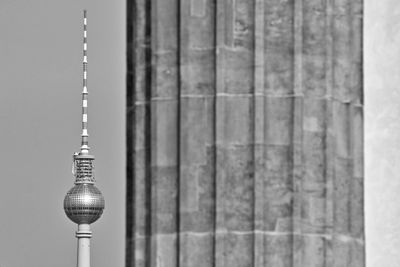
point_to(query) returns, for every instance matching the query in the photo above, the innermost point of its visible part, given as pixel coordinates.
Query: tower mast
(84, 145)
(84, 203)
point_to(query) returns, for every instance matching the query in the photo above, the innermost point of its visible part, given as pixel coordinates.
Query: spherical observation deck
(84, 203)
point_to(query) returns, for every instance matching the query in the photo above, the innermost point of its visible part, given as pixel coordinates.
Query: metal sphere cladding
(84, 204)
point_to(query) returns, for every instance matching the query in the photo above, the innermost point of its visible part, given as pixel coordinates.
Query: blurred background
(382, 131)
(40, 86)
(40, 114)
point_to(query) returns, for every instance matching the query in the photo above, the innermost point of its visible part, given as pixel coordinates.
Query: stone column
(244, 133)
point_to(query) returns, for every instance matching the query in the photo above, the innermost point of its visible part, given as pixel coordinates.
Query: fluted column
(244, 133)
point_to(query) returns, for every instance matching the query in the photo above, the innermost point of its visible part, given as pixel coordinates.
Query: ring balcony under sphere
(84, 204)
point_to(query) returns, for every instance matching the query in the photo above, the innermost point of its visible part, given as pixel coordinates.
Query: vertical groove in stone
(259, 131)
(297, 135)
(215, 109)
(357, 51)
(342, 57)
(164, 133)
(179, 130)
(329, 133)
(298, 177)
(279, 124)
(219, 239)
(130, 137)
(234, 133)
(138, 134)
(357, 194)
(314, 133)
(197, 168)
(279, 47)
(344, 96)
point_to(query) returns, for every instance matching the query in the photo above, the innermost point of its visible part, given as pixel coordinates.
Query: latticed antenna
(83, 164)
(85, 143)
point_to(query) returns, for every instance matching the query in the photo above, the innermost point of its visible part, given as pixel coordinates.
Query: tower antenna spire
(85, 143)
(84, 203)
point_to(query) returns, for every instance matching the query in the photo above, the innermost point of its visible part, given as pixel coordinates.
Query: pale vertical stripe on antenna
(84, 146)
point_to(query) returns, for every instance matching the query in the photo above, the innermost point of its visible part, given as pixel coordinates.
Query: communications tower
(84, 203)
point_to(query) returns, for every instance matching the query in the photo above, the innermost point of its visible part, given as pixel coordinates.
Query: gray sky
(40, 86)
(382, 132)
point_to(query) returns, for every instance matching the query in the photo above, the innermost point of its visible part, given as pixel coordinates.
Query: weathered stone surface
(235, 191)
(236, 249)
(164, 133)
(197, 250)
(279, 46)
(164, 191)
(278, 196)
(198, 73)
(278, 122)
(163, 251)
(244, 133)
(197, 197)
(278, 250)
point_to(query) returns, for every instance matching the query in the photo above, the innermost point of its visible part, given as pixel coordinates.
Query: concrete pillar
(244, 133)
(83, 234)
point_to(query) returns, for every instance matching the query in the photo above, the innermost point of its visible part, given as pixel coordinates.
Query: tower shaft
(83, 234)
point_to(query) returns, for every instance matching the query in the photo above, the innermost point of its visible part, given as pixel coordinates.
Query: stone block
(342, 195)
(279, 47)
(341, 252)
(198, 16)
(313, 251)
(165, 28)
(164, 133)
(197, 199)
(197, 130)
(358, 141)
(278, 120)
(164, 191)
(357, 210)
(141, 196)
(235, 115)
(198, 72)
(141, 130)
(243, 25)
(342, 129)
(278, 250)
(237, 72)
(235, 190)
(164, 252)
(278, 189)
(313, 213)
(234, 250)
(165, 77)
(315, 114)
(314, 160)
(197, 250)
(140, 251)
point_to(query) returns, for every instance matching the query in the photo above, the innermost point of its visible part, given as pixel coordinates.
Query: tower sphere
(84, 203)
